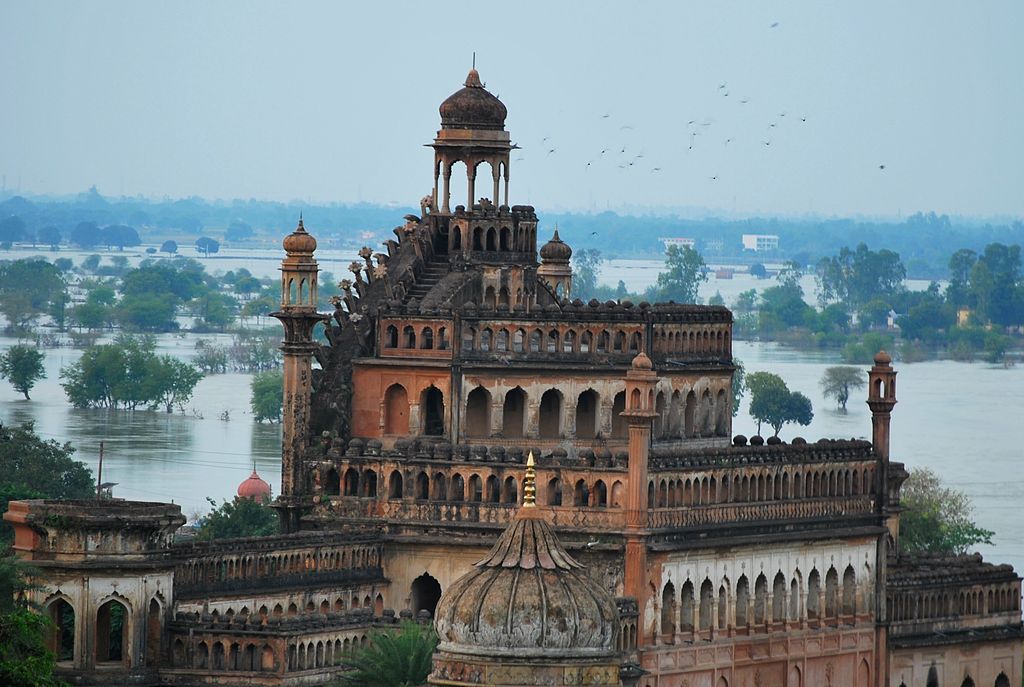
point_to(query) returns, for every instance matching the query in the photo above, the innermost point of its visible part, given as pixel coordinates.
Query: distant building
(680, 242)
(714, 245)
(760, 243)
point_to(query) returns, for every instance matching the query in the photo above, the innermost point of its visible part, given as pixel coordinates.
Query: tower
(299, 316)
(554, 266)
(881, 399)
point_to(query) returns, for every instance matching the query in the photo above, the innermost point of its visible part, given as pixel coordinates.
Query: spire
(300, 227)
(530, 484)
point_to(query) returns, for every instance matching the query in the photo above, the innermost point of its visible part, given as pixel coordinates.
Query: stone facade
(450, 357)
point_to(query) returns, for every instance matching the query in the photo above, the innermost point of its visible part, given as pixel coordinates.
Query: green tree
(241, 517)
(783, 307)
(91, 263)
(683, 275)
(267, 396)
(746, 301)
(961, 264)
(839, 380)
(207, 245)
(119, 235)
(937, 518)
(238, 230)
(738, 385)
(33, 468)
(12, 229)
(215, 310)
(86, 235)
(996, 285)
(772, 403)
(172, 382)
(27, 290)
(50, 235)
(757, 270)
(169, 246)
(716, 299)
(585, 265)
(22, 366)
(24, 659)
(854, 277)
(393, 658)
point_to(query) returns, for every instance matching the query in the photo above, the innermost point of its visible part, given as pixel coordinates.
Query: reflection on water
(957, 418)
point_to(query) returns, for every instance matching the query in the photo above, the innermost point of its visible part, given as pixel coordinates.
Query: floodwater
(953, 417)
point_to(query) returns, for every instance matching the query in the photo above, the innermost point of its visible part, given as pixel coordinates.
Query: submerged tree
(267, 396)
(772, 403)
(937, 518)
(839, 380)
(22, 366)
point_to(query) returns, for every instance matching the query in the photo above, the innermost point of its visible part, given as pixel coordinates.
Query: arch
(501, 338)
(814, 594)
(690, 415)
(779, 598)
(968, 681)
(554, 492)
(1002, 680)
(586, 341)
(535, 340)
(332, 483)
(408, 337)
(658, 430)
(427, 338)
(587, 405)
(391, 336)
(432, 409)
(505, 242)
(722, 682)
(760, 599)
(518, 340)
(478, 238)
(439, 487)
(487, 336)
(603, 341)
(933, 677)
(795, 677)
(395, 485)
(112, 632)
(476, 488)
(492, 239)
(581, 494)
(619, 344)
(154, 634)
(723, 410)
(178, 654)
(620, 425)
(618, 494)
(422, 486)
(863, 674)
(742, 600)
(424, 594)
(569, 341)
(723, 608)
(351, 482)
(831, 593)
(202, 657)
(551, 342)
(794, 599)
(396, 410)
(368, 484)
(493, 489)
(707, 593)
(513, 414)
(61, 640)
(478, 413)
(668, 613)
(686, 608)
(456, 488)
(600, 495)
(550, 414)
(510, 490)
(849, 591)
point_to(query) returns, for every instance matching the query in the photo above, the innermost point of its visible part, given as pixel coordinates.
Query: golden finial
(529, 484)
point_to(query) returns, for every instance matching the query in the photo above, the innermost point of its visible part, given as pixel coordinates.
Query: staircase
(431, 274)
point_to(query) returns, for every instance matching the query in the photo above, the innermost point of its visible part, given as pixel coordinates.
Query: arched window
(690, 415)
(513, 414)
(439, 487)
(620, 341)
(503, 297)
(620, 425)
(581, 494)
(391, 337)
(813, 595)
(668, 613)
(501, 341)
(424, 594)
(569, 341)
(832, 593)
(686, 608)
(554, 492)
(478, 238)
(658, 430)
(111, 638)
(535, 337)
(422, 486)
(476, 489)
(62, 638)
(493, 490)
(408, 337)
(351, 482)
(586, 414)
(723, 607)
(779, 598)
(603, 341)
(617, 494)
(742, 601)
(933, 677)
(510, 490)
(550, 420)
(332, 483)
(492, 239)
(432, 410)
(468, 339)
(635, 342)
(794, 599)
(707, 596)
(552, 341)
(586, 342)
(760, 599)
(442, 339)
(486, 337)
(478, 413)
(456, 488)
(518, 340)
(506, 237)
(396, 410)
(723, 411)
(849, 591)
(600, 496)
(427, 338)
(368, 484)
(395, 485)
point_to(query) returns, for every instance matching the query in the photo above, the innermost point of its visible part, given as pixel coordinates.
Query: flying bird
(593, 233)
(767, 143)
(715, 178)
(721, 86)
(728, 141)
(744, 101)
(656, 169)
(605, 116)
(882, 167)
(625, 126)
(803, 119)
(691, 122)
(551, 151)
(774, 25)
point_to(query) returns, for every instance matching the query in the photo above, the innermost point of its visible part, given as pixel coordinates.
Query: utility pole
(99, 473)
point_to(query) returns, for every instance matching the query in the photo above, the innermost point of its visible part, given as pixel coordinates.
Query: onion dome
(642, 362)
(528, 596)
(473, 107)
(299, 241)
(556, 250)
(254, 487)
(882, 358)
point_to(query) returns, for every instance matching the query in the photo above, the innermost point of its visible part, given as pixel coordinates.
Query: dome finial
(530, 484)
(300, 227)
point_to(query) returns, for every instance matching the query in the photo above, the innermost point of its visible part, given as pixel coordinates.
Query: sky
(332, 102)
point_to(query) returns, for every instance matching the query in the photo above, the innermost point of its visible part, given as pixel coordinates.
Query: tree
(27, 289)
(34, 468)
(91, 263)
(853, 277)
(937, 518)
(172, 383)
(267, 396)
(717, 299)
(63, 264)
(393, 658)
(757, 270)
(772, 403)
(12, 229)
(839, 380)
(49, 235)
(24, 659)
(207, 245)
(241, 517)
(86, 235)
(746, 301)
(22, 366)
(996, 285)
(585, 265)
(119, 236)
(684, 273)
(169, 246)
(738, 376)
(238, 230)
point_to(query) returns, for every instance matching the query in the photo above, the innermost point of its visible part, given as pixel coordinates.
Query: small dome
(555, 250)
(254, 487)
(528, 594)
(642, 362)
(882, 358)
(473, 107)
(299, 241)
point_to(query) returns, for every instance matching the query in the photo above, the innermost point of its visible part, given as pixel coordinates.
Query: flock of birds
(626, 157)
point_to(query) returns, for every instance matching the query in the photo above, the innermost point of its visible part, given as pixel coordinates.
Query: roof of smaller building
(254, 487)
(556, 250)
(473, 107)
(299, 241)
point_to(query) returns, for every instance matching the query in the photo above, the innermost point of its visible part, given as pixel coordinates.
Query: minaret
(640, 383)
(299, 316)
(881, 399)
(554, 266)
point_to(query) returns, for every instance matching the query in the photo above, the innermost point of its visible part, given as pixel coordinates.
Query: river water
(953, 417)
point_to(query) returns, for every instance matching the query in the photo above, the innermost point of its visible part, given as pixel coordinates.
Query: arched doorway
(586, 415)
(153, 634)
(478, 413)
(111, 632)
(513, 414)
(62, 637)
(396, 410)
(690, 415)
(432, 407)
(550, 414)
(425, 593)
(620, 426)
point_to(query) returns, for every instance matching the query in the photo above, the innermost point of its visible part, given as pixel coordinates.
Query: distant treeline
(924, 241)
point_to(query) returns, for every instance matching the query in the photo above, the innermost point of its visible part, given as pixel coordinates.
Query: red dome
(254, 487)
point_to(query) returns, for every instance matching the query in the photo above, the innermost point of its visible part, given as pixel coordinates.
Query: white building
(681, 243)
(760, 243)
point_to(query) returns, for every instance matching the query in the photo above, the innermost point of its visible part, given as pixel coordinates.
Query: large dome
(556, 250)
(299, 242)
(473, 107)
(254, 487)
(527, 595)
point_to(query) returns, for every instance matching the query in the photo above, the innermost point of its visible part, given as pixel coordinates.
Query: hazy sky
(332, 101)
